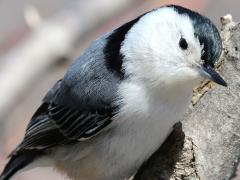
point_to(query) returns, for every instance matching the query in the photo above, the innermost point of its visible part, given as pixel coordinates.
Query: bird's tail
(16, 163)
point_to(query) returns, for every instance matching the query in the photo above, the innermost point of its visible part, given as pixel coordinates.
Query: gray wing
(78, 106)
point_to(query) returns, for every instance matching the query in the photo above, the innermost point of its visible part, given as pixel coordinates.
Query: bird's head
(172, 45)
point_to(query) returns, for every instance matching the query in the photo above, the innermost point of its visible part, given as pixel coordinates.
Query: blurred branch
(32, 17)
(52, 40)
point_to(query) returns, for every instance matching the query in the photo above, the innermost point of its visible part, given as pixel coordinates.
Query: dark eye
(183, 44)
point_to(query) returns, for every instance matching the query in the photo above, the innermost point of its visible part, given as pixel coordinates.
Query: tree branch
(50, 41)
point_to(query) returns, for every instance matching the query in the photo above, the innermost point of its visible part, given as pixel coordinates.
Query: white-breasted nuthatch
(118, 102)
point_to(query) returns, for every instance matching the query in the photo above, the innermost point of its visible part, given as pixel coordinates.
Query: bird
(118, 102)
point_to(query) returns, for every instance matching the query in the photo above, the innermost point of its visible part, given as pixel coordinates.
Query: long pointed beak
(210, 73)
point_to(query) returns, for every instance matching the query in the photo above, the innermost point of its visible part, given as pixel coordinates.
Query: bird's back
(79, 105)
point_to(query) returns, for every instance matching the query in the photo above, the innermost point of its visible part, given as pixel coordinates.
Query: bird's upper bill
(210, 73)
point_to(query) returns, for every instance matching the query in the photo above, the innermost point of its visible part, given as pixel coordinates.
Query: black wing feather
(56, 124)
(74, 124)
(62, 127)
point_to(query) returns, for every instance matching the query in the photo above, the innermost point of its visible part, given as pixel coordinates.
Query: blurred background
(39, 39)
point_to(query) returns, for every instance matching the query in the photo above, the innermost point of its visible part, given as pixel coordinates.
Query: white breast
(143, 123)
(141, 126)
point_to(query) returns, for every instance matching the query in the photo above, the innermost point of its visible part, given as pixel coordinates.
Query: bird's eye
(183, 44)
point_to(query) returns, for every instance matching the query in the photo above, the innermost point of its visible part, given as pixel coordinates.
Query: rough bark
(210, 148)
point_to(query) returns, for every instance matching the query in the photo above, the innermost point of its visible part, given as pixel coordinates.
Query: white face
(153, 52)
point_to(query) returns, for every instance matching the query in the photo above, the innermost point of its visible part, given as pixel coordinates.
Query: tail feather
(16, 163)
